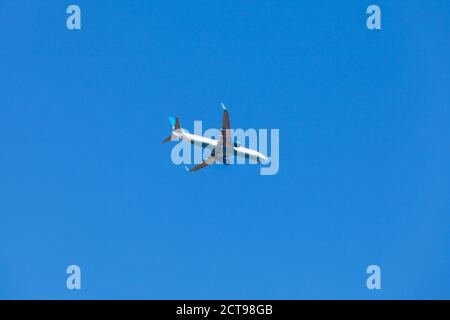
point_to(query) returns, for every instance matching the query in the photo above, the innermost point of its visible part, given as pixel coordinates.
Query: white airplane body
(222, 149)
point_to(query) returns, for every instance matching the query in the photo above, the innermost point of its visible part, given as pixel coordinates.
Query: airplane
(222, 149)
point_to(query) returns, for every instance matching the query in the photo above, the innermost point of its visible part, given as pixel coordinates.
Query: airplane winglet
(223, 106)
(172, 122)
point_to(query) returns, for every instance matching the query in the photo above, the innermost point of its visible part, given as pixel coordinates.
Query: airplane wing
(199, 166)
(202, 165)
(225, 145)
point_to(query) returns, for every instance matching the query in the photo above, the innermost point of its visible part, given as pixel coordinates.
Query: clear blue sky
(364, 152)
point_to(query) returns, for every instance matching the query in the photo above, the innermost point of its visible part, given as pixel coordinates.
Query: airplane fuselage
(236, 149)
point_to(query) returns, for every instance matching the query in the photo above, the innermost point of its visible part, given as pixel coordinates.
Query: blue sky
(364, 150)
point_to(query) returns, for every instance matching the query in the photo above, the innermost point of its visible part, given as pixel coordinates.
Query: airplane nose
(262, 159)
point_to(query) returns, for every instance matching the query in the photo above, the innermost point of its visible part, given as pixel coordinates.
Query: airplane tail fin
(175, 123)
(175, 126)
(167, 139)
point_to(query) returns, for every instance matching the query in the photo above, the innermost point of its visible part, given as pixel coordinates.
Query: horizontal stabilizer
(167, 139)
